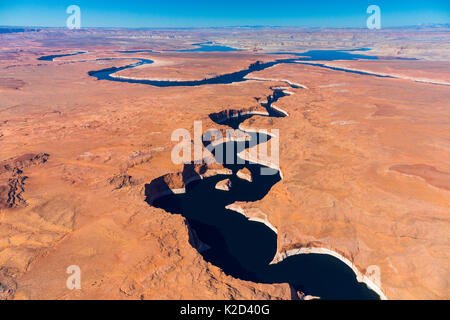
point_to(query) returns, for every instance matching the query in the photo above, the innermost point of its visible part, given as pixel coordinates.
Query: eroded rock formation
(245, 174)
(224, 185)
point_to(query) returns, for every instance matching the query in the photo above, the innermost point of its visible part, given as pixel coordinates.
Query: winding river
(244, 248)
(238, 76)
(240, 247)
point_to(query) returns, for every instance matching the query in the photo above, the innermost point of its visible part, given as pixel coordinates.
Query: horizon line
(437, 24)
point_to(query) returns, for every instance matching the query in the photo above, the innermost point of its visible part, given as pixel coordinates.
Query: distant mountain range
(16, 29)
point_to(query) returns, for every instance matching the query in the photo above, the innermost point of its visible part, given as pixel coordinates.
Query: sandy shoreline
(382, 74)
(363, 278)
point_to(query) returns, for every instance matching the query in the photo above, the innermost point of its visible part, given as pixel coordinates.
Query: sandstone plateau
(364, 160)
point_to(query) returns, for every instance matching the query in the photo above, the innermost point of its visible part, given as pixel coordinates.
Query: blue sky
(213, 13)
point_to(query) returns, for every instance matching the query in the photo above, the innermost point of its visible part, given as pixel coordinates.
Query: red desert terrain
(364, 160)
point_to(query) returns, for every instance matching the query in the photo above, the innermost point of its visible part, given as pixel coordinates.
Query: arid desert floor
(364, 158)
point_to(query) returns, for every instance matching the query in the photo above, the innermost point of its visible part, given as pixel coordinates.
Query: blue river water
(240, 247)
(244, 248)
(208, 47)
(239, 76)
